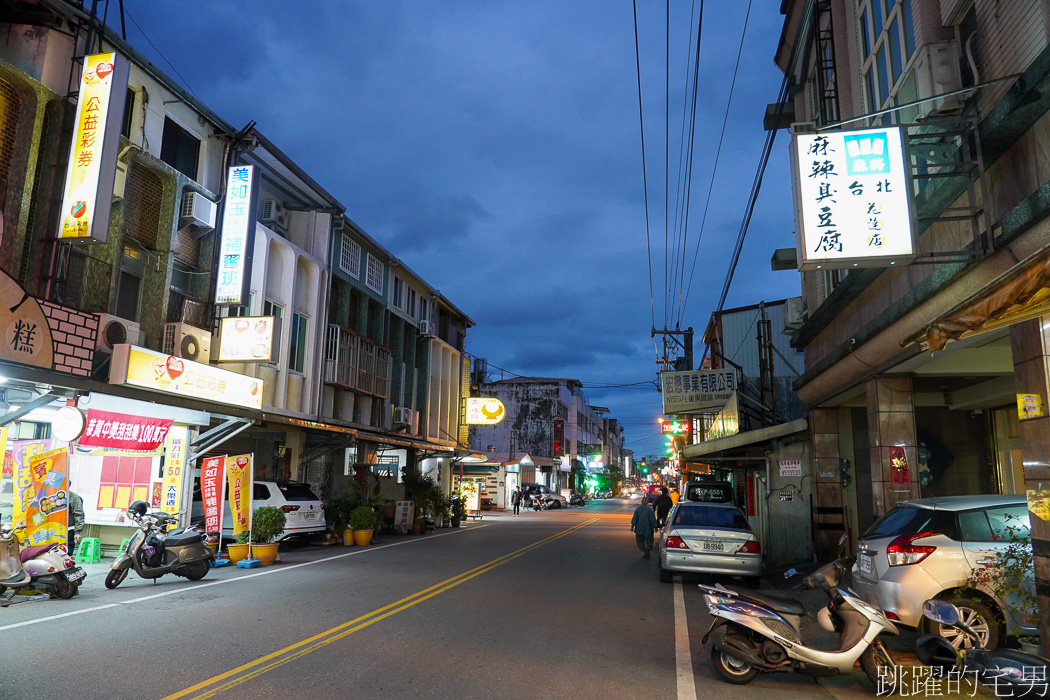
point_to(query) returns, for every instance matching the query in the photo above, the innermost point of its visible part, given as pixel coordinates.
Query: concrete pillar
(894, 446)
(1030, 342)
(827, 501)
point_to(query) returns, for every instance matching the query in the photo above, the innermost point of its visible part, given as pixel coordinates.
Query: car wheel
(665, 575)
(978, 615)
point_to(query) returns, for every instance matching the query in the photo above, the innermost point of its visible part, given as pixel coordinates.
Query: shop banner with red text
(174, 469)
(49, 504)
(20, 453)
(239, 472)
(212, 482)
(124, 432)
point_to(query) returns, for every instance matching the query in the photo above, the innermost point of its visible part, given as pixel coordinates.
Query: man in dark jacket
(74, 522)
(643, 525)
(663, 505)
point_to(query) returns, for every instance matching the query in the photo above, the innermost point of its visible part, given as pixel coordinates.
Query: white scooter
(756, 633)
(46, 568)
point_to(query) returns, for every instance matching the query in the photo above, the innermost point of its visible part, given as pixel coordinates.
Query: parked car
(303, 510)
(709, 538)
(533, 490)
(926, 548)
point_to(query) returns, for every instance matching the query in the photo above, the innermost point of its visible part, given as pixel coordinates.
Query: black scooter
(152, 553)
(1016, 673)
(576, 499)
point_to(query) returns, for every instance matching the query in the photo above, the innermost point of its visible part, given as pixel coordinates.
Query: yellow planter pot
(266, 553)
(237, 552)
(362, 537)
(348, 537)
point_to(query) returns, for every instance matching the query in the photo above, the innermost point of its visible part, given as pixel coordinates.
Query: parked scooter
(46, 567)
(1014, 672)
(152, 553)
(754, 632)
(576, 499)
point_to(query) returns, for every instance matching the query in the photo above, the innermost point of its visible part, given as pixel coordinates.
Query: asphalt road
(556, 604)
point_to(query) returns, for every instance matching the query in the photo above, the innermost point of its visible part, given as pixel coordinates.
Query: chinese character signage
(1029, 406)
(212, 481)
(21, 453)
(790, 467)
(93, 153)
(123, 432)
(482, 411)
(559, 437)
(174, 470)
(676, 427)
(249, 339)
(173, 375)
(239, 472)
(696, 390)
(900, 472)
(853, 204)
(47, 507)
(238, 235)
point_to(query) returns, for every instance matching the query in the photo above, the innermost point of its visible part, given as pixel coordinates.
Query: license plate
(714, 547)
(75, 575)
(865, 563)
(310, 516)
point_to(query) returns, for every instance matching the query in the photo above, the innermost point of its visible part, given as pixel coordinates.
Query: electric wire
(159, 53)
(645, 186)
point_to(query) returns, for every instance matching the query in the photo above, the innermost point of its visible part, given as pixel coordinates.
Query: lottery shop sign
(853, 203)
(123, 432)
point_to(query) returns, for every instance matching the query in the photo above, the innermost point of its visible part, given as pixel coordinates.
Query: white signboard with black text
(697, 390)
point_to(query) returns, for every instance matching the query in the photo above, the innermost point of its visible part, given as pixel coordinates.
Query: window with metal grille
(144, 192)
(374, 279)
(350, 257)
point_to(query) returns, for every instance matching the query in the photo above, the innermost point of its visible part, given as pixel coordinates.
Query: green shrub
(267, 523)
(362, 518)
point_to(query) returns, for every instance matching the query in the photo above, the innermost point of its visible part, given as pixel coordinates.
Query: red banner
(212, 491)
(900, 472)
(123, 432)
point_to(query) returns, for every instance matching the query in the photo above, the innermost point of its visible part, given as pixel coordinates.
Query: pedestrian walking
(662, 504)
(74, 522)
(643, 525)
(515, 500)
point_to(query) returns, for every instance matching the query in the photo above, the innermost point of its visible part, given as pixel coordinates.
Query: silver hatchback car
(709, 538)
(926, 548)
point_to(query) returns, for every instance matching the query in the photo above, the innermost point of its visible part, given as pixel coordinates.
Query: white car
(303, 510)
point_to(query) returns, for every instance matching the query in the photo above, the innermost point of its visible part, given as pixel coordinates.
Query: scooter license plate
(75, 575)
(864, 562)
(714, 547)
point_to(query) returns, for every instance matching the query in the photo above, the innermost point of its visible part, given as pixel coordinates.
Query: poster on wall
(20, 453)
(900, 472)
(48, 503)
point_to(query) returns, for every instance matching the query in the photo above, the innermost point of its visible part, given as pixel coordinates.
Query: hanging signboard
(238, 235)
(249, 339)
(174, 469)
(696, 390)
(168, 374)
(484, 411)
(853, 203)
(93, 152)
(123, 432)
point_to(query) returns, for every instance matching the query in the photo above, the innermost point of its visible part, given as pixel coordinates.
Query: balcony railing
(353, 362)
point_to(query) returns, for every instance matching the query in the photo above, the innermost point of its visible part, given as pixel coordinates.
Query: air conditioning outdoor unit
(937, 73)
(274, 215)
(187, 342)
(402, 415)
(197, 214)
(115, 331)
(794, 314)
(425, 330)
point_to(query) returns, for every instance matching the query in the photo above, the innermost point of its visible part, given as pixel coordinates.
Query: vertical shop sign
(238, 235)
(49, 503)
(900, 472)
(559, 437)
(212, 491)
(93, 152)
(751, 509)
(21, 452)
(239, 472)
(174, 469)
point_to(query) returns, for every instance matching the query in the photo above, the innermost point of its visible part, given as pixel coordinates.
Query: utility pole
(672, 342)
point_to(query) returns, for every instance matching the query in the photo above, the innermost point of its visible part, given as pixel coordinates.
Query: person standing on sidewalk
(662, 504)
(643, 525)
(74, 522)
(515, 500)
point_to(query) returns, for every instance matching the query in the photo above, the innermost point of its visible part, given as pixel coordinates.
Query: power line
(645, 186)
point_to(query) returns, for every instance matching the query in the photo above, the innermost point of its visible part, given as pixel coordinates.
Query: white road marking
(683, 657)
(193, 589)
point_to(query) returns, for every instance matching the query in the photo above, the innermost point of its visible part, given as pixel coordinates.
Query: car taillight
(751, 547)
(675, 542)
(902, 552)
(289, 509)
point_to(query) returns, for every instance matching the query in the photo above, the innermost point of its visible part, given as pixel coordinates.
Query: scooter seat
(33, 552)
(784, 605)
(182, 538)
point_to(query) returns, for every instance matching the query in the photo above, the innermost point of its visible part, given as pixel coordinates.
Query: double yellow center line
(245, 672)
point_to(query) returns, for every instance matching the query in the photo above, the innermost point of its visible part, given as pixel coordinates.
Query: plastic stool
(90, 551)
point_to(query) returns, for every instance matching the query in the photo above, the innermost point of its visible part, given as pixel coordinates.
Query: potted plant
(337, 512)
(362, 523)
(238, 551)
(267, 523)
(458, 508)
(1012, 579)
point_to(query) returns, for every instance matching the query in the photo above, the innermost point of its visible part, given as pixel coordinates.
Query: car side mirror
(941, 611)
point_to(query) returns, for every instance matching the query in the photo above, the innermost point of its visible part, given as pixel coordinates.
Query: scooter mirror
(941, 611)
(789, 573)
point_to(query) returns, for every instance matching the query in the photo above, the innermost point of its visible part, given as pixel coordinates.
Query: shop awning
(1019, 294)
(750, 437)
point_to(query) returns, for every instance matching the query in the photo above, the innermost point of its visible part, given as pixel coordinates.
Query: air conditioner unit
(115, 331)
(274, 215)
(794, 314)
(197, 214)
(187, 342)
(937, 73)
(425, 329)
(402, 415)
